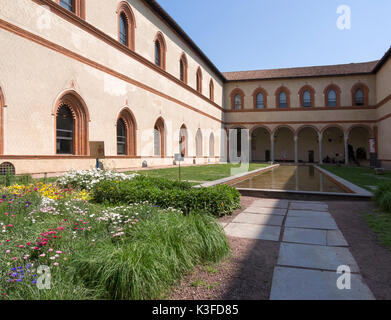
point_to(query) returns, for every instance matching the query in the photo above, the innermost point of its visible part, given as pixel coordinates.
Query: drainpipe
(296, 149)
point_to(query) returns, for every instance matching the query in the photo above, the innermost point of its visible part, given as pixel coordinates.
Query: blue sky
(263, 34)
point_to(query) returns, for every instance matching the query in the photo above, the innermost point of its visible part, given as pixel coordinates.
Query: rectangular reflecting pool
(294, 178)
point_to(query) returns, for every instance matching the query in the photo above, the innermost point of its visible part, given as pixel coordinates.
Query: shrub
(159, 251)
(383, 196)
(218, 200)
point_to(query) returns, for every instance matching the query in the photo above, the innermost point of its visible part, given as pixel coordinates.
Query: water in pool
(299, 178)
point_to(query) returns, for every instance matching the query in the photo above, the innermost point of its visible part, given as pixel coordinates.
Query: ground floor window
(65, 130)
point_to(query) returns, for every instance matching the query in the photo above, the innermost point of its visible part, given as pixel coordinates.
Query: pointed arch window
(260, 101)
(121, 137)
(160, 51)
(199, 80)
(65, 130)
(332, 98)
(211, 90)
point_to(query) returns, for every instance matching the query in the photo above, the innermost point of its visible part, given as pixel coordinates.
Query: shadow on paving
(253, 281)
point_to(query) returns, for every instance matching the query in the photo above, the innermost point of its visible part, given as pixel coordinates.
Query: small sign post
(97, 150)
(179, 158)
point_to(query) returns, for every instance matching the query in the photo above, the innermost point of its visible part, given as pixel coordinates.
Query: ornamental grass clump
(383, 196)
(159, 251)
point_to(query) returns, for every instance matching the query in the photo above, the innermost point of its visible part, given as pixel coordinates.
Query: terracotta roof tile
(335, 70)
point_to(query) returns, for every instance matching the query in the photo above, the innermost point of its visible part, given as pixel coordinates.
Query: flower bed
(133, 251)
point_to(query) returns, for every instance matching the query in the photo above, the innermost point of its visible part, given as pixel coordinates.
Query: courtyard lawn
(363, 177)
(199, 173)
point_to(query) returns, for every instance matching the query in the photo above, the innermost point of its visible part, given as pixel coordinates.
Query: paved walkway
(311, 249)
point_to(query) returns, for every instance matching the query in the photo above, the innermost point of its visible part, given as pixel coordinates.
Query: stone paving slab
(263, 219)
(251, 231)
(270, 203)
(324, 223)
(223, 224)
(300, 284)
(307, 213)
(308, 206)
(315, 257)
(336, 238)
(309, 202)
(269, 211)
(305, 236)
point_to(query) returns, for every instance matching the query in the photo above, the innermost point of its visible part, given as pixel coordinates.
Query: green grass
(380, 222)
(199, 173)
(162, 249)
(363, 177)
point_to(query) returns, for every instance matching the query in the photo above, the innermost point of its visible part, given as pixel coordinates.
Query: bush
(158, 252)
(383, 196)
(85, 180)
(219, 200)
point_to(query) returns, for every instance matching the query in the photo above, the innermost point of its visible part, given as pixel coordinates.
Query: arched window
(359, 97)
(360, 94)
(260, 98)
(199, 80)
(123, 30)
(183, 68)
(237, 99)
(126, 133)
(307, 96)
(121, 137)
(238, 102)
(160, 51)
(282, 98)
(199, 143)
(76, 6)
(126, 25)
(212, 146)
(158, 54)
(159, 138)
(65, 130)
(260, 101)
(307, 99)
(68, 4)
(332, 96)
(72, 119)
(211, 90)
(183, 141)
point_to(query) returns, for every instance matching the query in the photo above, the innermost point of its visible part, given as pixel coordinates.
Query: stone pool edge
(237, 178)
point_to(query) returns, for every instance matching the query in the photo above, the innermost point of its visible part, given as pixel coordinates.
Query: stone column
(346, 139)
(320, 137)
(296, 139)
(272, 146)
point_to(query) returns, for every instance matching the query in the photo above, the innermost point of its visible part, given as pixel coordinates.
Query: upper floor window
(199, 80)
(238, 102)
(332, 98)
(75, 6)
(183, 68)
(283, 101)
(282, 98)
(359, 97)
(307, 99)
(123, 30)
(360, 94)
(68, 4)
(126, 25)
(160, 51)
(211, 90)
(260, 101)
(157, 53)
(237, 99)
